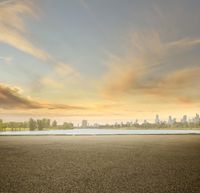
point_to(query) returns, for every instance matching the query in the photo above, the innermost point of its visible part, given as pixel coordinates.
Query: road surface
(100, 164)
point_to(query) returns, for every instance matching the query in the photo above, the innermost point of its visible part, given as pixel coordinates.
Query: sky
(99, 60)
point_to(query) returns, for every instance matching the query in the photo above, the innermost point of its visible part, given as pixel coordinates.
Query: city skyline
(84, 123)
(100, 60)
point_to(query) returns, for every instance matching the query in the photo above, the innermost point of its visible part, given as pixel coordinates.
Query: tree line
(34, 124)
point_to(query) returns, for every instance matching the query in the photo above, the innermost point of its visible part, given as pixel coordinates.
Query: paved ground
(100, 164)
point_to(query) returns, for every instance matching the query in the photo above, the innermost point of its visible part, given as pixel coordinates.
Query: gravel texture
(100, 164)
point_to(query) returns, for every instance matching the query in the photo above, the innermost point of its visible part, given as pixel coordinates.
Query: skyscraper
(184, 119)
(157, 120)
(170, 120)
(197, 119)
(84, 123)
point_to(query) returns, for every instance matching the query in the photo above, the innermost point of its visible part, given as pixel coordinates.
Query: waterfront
(103, 132)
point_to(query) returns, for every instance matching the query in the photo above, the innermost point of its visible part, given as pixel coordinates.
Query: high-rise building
(96, 125)
(174, 120)
(157, 120)
(84, 123)
(145, 121)
(197, 119)
(136, 122)
(184, 119)
(116, 124)
(170, 120)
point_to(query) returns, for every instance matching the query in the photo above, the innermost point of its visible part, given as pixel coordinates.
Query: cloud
(125, 71)
(148, 69)
(184, 43)
(120, 80)
(13, 32)
(6, 59)
(63, 69)
(61, 76)
(48, 81)
(11, 98)
(182, 84)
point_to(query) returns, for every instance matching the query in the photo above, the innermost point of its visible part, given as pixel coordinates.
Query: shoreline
(88, 132)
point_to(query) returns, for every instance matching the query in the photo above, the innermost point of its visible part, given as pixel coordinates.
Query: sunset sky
(101, 60)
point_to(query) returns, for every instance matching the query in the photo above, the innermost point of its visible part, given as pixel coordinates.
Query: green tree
(4, 126)
(1, 124)
(54, 124)
(40, 124)
(46, 123)
(32, 124)
(12, 125)
(67, 125)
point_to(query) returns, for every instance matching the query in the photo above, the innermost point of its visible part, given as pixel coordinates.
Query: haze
(99, 60)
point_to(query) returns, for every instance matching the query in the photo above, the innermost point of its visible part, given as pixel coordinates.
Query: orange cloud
(134, 73)
(12, 98)
(120, 80)
(182, 84)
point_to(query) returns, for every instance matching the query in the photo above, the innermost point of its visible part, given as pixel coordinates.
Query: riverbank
(101, 132)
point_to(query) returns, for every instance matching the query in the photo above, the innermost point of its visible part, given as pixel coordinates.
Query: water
(101, 132)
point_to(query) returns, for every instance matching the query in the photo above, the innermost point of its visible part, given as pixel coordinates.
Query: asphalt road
(100, 164)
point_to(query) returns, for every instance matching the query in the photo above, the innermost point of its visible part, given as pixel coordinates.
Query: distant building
(116, 124)
(145, 122)
(84, 123)
(136, 122)
(96, 125)
(184, 119)
(157, 120)
(197, 118)
(128, 124)
(170, 120)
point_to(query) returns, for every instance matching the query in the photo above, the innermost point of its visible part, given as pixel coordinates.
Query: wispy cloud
(13, 32)
(58, 78)
(182, 84)
(138, 72)
(7, 59)
(11, 97)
